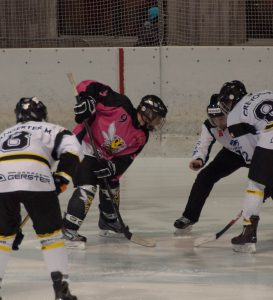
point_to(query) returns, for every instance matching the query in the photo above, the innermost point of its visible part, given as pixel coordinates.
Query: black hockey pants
(224, 163)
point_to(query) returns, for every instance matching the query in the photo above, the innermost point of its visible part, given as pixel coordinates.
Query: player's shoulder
(50, 128)
(208, 125)
(255, 97)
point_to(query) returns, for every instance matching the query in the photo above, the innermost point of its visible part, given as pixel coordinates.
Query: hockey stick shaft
(204, 240)
(125, 229)
(19, 235)
(221, 232)
(25, 220)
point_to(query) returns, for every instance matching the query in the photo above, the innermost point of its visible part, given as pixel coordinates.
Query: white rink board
(185, 77)
(191, 75)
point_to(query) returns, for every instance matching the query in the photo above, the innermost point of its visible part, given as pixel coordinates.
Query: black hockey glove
(60, 183)
(104, 168)
(86, 108)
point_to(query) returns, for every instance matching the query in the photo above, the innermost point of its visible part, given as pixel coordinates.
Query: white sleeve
(203, 146)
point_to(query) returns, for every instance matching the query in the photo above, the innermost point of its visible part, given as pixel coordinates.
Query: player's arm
(103, 168)
(116, 166)
(90, 93)
(202, 148)
(239, 129)
(67, 151)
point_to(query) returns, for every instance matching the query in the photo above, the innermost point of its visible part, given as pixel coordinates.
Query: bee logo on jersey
(113, 143)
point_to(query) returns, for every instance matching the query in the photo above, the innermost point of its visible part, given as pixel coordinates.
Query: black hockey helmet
(213, 109)
(30, 109)
(153, 111)
(230, 94)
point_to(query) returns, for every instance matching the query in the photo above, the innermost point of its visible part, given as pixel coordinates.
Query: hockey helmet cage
(153, 111)
(230, 94)
(30, 109)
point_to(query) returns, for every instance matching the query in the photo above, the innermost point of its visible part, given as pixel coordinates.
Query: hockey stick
(19, 235)
(203, 240)
(125, 229)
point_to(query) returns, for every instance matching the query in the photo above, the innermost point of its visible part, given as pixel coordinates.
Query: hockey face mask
(152, 120)
(153, 112)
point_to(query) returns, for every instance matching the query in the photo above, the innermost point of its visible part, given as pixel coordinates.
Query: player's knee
(85, 193)
(207, 175)
(81, 199)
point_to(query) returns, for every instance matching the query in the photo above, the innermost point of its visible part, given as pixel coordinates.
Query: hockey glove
(85, 109)
(196, 164)
(104, 168)
(60, 183)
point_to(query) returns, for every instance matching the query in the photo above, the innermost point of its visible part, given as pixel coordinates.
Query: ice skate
(73, 240)
(246, 241)
(182, 226)
(109, 228)
(61, 287)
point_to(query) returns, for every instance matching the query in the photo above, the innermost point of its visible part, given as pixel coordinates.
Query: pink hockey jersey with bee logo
(116, 131)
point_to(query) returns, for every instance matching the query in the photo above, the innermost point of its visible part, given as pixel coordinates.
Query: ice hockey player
(228, 160)
(250, 115)
(120, 132)
(27, 152)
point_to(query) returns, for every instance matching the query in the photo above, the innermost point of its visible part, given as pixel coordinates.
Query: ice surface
(154, 193)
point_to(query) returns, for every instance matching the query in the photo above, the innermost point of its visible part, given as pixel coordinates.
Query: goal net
(95, 23)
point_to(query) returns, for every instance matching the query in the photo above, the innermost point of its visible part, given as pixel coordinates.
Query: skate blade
(110, 234)
(246, 248)
(181, 232)
(77, 245)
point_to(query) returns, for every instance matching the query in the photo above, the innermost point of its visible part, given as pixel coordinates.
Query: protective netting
(95, 23)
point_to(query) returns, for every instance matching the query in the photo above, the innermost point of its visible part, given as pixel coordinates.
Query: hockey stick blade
(203, 240)
(143, 242)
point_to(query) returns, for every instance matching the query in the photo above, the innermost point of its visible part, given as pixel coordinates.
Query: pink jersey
(115, 128)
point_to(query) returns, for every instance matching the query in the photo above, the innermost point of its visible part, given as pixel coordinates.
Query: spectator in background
(149, 32)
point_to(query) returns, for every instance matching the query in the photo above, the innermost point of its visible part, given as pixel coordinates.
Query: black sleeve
(240, 129)
(123, 162)
(105, 95)
(58, 140)
(68, 164)
(96, 89)
(67, 161)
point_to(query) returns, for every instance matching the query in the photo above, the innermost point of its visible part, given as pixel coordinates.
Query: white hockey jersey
(210, 134)
(251, 115)
(27, 153)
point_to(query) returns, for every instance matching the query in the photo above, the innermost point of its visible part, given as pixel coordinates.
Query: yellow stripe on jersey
(53, 246)
(255, 192)
(65, 175)
(25, 156)
(268, 127)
